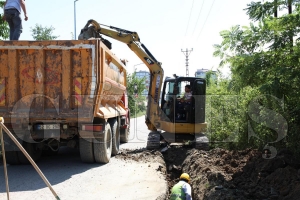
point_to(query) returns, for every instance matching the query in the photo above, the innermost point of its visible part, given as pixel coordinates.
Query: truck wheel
(102, 146)
(32, 149)
(115, 131)
(12, 157)
(86, 150)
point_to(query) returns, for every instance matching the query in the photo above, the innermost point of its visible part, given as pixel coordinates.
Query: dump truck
(63, 93)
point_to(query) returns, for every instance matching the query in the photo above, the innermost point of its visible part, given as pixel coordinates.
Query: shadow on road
(57, 169)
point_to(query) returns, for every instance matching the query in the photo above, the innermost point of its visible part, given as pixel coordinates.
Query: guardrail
(12, 137)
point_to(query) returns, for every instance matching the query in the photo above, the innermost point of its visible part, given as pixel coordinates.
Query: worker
(12, 14)
(182, 190)
(184, 106)
(187, 94)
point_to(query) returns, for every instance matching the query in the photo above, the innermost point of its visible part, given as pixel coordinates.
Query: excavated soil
(222, 174)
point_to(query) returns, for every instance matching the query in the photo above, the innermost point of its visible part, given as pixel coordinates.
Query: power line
(188, 22)
(189, 18)
(198, 16)
(206, 19)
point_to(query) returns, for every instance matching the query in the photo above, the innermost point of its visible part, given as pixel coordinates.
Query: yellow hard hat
(185, 176)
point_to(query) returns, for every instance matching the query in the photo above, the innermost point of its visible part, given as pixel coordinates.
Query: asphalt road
(72, 179)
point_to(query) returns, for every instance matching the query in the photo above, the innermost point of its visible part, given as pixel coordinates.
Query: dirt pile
(223, 174)
(142, 155)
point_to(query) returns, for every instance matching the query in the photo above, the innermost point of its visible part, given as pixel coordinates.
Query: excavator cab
(181, 121)
(174, 109)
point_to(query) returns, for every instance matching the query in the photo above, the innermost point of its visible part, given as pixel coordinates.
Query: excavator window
(169, 90)
(199, 87)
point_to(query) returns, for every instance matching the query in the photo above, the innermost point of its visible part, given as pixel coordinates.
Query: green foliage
(259, 11)
(211, 77)
(4, 29)
(43, 33)
(137, 102)
(244, 119)
(226, 115)
(265, 65)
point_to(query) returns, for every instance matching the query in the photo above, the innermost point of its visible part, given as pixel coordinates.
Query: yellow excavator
(168, 117)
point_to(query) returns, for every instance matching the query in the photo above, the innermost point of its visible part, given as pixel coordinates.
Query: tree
(259, 11)
(4, 29)
(134, 97)
(43, 33)
(264, 59)
(254, 48)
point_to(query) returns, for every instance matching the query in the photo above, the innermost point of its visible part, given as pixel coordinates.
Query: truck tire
(34, 152)
(12, 157)
(86, 150)
(115, 131)
(102, 146)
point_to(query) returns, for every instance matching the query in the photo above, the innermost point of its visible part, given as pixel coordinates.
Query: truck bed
(70, 80)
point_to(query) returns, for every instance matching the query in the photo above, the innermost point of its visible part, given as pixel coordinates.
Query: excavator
(168, 118)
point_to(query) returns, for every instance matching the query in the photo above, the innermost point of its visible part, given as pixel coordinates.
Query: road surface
(72, 179)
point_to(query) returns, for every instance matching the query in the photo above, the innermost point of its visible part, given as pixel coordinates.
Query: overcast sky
(166, 27)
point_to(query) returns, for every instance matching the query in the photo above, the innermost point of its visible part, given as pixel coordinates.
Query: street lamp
(75, 19)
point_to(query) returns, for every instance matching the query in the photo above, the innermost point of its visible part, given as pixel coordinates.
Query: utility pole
(75, 19)
(187, 54)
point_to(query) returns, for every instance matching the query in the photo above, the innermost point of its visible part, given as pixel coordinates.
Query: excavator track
(201, 142)
(153, 141)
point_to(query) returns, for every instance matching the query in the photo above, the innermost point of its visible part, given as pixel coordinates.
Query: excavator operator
(182, 190)
(187, 95)
(185, 103)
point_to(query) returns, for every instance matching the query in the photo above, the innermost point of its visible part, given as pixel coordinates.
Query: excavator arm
(156, 71)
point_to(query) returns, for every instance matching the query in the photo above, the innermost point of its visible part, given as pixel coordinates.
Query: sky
(165, 27)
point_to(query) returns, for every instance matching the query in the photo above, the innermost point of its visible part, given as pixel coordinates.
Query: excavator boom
(156, 72)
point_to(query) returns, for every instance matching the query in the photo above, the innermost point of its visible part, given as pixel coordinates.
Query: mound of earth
(222, 174)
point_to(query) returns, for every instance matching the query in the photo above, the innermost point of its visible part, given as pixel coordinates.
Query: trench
(172, 160)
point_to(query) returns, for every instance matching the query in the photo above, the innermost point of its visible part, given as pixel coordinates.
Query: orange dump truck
(63, 93)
